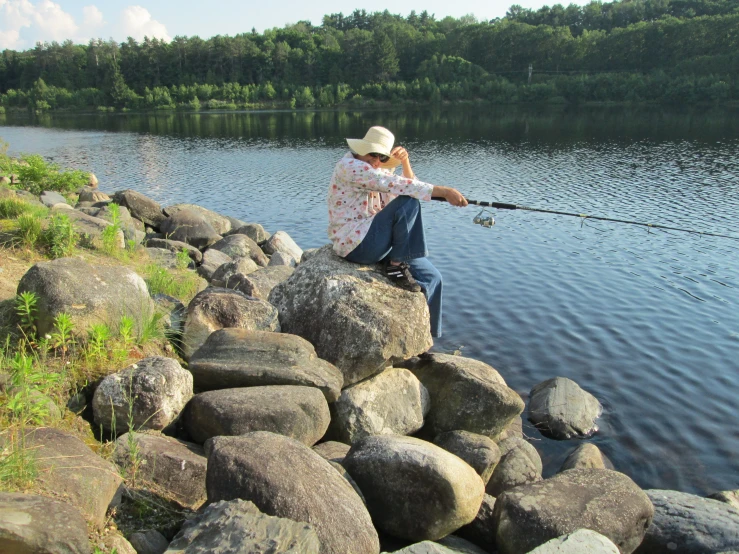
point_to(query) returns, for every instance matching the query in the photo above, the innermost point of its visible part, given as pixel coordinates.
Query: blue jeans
(397, 234)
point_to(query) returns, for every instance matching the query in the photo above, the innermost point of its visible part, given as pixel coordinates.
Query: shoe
(400, 275)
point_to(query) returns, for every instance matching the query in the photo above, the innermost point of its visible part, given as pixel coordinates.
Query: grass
(60, 236)
(180, 284)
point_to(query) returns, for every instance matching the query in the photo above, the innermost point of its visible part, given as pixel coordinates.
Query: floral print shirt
(357, 193)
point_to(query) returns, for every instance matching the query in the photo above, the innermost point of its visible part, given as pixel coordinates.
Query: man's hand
(399, 153)
(454, 197)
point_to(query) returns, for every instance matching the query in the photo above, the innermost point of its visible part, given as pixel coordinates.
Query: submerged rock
(560, 409)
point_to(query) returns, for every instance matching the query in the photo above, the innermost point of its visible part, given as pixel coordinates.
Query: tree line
(679, 51)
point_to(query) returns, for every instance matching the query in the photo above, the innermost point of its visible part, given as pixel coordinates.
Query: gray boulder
(294, 411)
(481, 531)
(466, 395)
(235, 223)
(221, 224)
(478, 451)
(689, 524)
(176, 466)
(260, 283)
(149, 542)
(212, 260)
(190, 227)
(133, 229)
(36, 524)
(342, 309)
(163, 257)
(252, 230)
(176, 246)
(604, 501)
(332, 451)
(233, 358)
(282, 242)
(280, 258)
(414, 489)
(308, 254)
(237, 527)
(586, 455)
(229, 275)
(729, 497)
(93, 195)
(447, 545)
(67, 468)
(153, 391)
(560, 409)
(141, 207)
(519, 464)
(89, 293)
(216, 308)
(49, 198)
(390, 403)
(241, 246)
(88, 227)
(582, 541)
(117, 544)
(285, 478)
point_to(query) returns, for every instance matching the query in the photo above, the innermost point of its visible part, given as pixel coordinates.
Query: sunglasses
(382, 157)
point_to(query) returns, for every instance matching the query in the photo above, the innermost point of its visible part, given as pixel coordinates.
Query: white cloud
(136, 22)
(93, 18)
(53, 23)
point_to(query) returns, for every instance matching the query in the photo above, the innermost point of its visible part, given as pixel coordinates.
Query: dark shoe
(400, 275)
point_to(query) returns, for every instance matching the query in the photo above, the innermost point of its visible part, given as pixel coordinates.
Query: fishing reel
(484, 220)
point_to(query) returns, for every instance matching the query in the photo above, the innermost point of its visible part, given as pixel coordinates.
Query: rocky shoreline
(300, 411)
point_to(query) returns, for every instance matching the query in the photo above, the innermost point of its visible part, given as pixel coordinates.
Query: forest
(656, 51)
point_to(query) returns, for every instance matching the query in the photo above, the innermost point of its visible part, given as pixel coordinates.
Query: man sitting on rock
(375, 215)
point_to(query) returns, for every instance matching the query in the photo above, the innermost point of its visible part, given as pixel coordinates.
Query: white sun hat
(378, 140)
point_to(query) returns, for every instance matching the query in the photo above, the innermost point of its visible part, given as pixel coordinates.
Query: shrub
(60, 236)
(12, 208)
(29, 230)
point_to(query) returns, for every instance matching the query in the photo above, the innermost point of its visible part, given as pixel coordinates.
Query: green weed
(61, 339)
(25, 308)
(11, 208)
(29, 230)
(110, 233)
(97, 338)
(151, 329)
(162, 281)
(182, 259)
(60, 236)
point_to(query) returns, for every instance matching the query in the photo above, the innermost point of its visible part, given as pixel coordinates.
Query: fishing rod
(488, 222)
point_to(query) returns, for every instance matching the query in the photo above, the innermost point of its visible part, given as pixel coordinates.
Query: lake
(647, 321)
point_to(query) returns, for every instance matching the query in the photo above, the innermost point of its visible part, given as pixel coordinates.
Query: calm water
(647, 322)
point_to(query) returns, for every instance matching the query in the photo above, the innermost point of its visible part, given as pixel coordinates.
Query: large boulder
(89, 293)
(229, 275)
(133, 229)
(236, 526)
(598, 499)
(259, 284)
(90, 228)
(481, 531)
(176, 466)
(477, 450)
(233, 358)
(50, 198)
(332, 451)
(390, 403)
(220, 223)
(68, 469)
(88, 194)
(466, 395)
(519, 464)
(282, 242)
(141, 207)
(280, 258)
(729, 497)
(252, 230)
(212, 260)
(285, 478)
(216, 308)
(294, 411)
(241, 246)
(149, 394)
(355, 317)
(689, 524)
(40, 525)
(414, 489)
(582, 541)
(586, 455)
(176, 246)
(560, 409)
(149, 541)
(447, 545)
(190, 227)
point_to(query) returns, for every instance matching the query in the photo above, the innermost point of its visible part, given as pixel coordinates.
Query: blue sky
(25, 22)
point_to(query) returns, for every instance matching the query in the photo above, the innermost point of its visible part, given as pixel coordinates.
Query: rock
(92, 181)
(343, 310)
(308, 254)
(149, 542)
(141, 207)
(560, 409)
(212, 260)
(117, 544)
(729, 497)
(68, 469)
(466, 395)
(221, 224)
(4, 180)
(285, 478)
(233, 358)
(36, 524)
(92, 195)
(282, 242)
(49, 198)
(216, 308)
(163, 257)
(414, 489)
(190, 227)
(260, 283)
(333, 451)
(89, 210)
(390, 403)
(478, 451)
(89, 293)
(230, 274)
(519, 464)
(238, 526)
(241, 246)
(280, 258)
(481, 531)
(133, 229)
(177, 466)
(587, 455)
(77, 403)
(294, 411)
(252, 230)
(89, 228)
(582, 541)
(604, 501)
(176, 246)
(689, 524)
(447, 545)
(235, 223)
(514, 429)
(156, 388)
(345, 474)
(174, 316)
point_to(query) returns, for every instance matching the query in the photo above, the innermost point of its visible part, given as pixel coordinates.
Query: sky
(23, 23)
